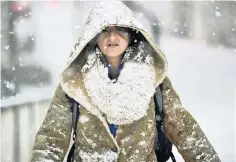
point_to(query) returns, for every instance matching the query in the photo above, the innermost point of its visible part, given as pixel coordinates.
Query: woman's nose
(112, 35)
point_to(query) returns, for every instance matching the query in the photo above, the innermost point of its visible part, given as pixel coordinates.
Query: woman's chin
(113, 54)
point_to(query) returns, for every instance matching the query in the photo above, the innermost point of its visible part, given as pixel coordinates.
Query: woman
(112, 73)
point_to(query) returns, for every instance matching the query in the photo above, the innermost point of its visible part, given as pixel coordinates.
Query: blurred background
(198, 38)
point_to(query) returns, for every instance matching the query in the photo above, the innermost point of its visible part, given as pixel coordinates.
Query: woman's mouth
(113, 45)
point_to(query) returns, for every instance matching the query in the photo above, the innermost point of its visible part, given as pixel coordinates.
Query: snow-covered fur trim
(108, 156)
(126, 99)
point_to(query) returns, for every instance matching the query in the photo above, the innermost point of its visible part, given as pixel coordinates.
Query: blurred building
(18, 68)
(212, 21)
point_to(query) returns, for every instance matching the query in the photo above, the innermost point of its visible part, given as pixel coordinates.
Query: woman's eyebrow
(112, 28)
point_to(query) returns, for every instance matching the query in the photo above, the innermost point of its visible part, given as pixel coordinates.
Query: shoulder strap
(159, 103)
(74, 106)
(163, 145)
(75, 115)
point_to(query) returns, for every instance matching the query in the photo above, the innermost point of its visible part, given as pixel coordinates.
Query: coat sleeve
(184, 131)
(53, 137)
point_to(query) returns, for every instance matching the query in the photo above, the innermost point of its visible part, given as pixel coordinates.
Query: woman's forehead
(113, 27)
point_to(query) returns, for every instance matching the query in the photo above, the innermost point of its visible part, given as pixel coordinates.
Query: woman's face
(113, 41)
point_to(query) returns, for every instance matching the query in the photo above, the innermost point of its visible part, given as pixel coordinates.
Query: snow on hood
(103, 15)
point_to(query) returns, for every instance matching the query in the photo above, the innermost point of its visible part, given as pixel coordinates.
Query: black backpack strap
(163, 146)
(158, 99)
(75, 116)
(74, 106)
(172, 157)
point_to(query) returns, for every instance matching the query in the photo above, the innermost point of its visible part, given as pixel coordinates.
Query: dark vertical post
(16, 134)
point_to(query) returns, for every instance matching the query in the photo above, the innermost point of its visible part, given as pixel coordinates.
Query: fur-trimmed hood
(73, 78)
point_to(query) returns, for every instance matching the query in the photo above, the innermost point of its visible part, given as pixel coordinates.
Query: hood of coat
(85, 78)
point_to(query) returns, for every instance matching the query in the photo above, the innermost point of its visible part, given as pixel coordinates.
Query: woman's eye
(124, 32)
(121, 29)
(104, 32)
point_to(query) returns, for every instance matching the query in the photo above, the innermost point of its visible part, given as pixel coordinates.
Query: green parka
(84, 80)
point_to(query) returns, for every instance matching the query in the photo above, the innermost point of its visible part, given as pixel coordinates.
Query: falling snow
(190, 58)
